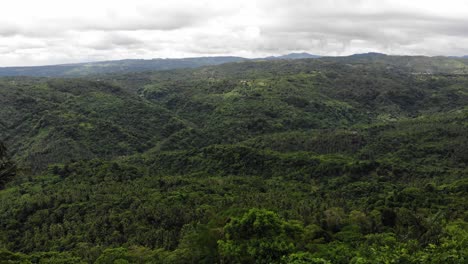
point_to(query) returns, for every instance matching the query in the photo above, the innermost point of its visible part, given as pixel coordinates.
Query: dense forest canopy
(7, 166)
(359, 159)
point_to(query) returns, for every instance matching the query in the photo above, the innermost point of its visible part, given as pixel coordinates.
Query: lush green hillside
(360, 159)
(47, 121)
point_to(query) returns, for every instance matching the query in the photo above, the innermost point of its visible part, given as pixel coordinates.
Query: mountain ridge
(131, 65)
(161, 64)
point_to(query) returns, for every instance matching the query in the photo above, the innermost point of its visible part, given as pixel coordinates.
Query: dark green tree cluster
(7, 167)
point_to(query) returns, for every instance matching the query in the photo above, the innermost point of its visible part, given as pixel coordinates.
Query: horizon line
(241, 57)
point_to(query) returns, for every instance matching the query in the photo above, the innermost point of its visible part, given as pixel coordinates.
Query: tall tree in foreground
(259, 236)
(7, 167)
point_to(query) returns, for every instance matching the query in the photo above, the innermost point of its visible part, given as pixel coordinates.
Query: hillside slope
(359, 159)
(46, 121)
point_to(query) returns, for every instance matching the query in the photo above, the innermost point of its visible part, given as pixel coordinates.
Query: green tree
(114, 256)
(259, 236)
(303, 258)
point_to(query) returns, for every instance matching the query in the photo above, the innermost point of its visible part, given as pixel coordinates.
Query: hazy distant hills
(417, 64)
(294, 56)
(118, 66)
(130, 65)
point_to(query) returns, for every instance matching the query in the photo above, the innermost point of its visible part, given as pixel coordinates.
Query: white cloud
(51, 31)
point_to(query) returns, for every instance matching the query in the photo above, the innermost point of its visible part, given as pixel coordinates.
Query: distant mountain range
(293, 56)
(131, 65)
(117, 66)
(369, 54)
(415, 63)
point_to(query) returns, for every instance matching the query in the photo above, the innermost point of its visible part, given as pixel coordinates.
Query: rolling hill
(359, 159)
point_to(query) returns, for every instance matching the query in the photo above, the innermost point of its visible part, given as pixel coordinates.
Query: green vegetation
(7, 167)
(360, 159)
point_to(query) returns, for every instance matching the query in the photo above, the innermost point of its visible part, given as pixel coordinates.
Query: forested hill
(359, 159)
(129, 65)
(117, 66)
(449, 65)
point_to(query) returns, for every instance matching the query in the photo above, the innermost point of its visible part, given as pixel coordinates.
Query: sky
(47, 32)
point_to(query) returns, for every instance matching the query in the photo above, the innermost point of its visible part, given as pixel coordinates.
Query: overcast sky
(65, 31)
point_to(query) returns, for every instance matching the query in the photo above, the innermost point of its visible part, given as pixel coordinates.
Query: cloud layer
(51, 31)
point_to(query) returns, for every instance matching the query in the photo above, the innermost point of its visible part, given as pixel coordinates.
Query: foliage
(335, 160)
(259, 236)
(7, 167)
